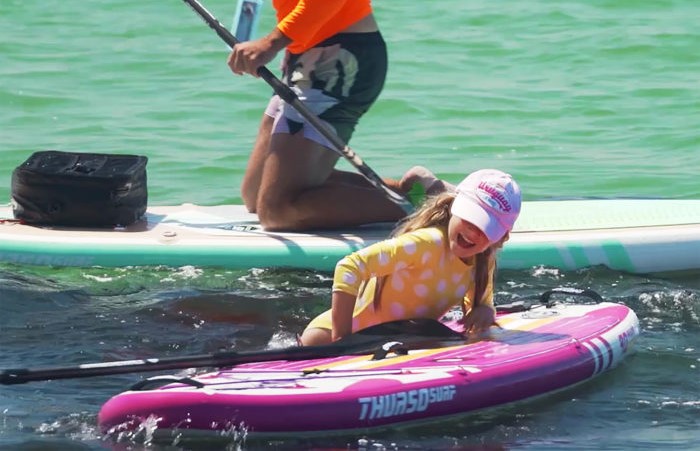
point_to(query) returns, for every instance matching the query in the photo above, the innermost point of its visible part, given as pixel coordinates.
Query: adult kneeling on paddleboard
(441, 256)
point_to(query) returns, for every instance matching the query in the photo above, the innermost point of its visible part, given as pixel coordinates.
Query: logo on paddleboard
(403, 402)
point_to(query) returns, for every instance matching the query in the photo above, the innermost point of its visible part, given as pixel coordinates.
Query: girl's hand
(479, 319)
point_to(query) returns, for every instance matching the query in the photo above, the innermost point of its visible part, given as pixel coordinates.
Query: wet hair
(435, 212)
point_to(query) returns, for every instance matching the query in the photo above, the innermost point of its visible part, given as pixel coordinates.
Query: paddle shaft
(366, 341)
(416, 332)
(23, 375)
(291, 98)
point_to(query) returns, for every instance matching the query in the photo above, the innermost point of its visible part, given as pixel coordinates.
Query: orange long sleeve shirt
(308, 22)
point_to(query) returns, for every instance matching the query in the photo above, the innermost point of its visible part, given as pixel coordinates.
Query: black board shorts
(338, 80)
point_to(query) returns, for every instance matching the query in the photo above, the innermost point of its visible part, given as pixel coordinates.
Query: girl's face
(466, 240)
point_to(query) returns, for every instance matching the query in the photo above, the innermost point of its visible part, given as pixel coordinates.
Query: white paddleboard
(634, 235)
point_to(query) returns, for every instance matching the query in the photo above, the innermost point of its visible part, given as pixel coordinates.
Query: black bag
(80, 189)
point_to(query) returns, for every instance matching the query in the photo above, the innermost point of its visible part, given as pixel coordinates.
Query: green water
(575, 99)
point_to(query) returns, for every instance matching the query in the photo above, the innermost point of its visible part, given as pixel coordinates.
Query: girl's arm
(377, 260)
(482, 315)
(342, 305)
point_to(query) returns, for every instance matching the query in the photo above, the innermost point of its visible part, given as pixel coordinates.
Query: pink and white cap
(489, 199)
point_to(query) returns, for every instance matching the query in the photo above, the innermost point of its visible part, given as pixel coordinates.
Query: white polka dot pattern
(435, 235)
(383, 259)
(422, 278)
(349, 278)
(410, 247)
(421, 291)
(427, 274)
(441, 286)
(397, 310)
(397, 282)
(421, 311)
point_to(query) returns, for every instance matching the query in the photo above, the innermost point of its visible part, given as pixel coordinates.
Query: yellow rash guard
(425, 280)
(308, 22)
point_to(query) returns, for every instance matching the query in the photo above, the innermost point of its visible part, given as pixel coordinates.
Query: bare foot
(395, 185)
(431, 184)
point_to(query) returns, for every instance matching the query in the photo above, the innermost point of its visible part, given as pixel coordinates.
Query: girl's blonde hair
(435, 212)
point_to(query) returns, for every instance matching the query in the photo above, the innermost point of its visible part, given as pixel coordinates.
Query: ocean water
(575, 99)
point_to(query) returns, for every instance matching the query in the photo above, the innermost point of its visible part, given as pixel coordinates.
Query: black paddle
(367, 341)
(291, 98)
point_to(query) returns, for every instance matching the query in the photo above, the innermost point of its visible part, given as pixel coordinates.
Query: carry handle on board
(547, 299)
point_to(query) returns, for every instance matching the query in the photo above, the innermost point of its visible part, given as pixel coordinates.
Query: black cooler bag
(80, 189)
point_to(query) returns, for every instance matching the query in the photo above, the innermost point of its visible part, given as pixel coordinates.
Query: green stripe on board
(609, 253)
(578, 254)
(617, 255)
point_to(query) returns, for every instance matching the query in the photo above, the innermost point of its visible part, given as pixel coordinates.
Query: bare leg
(308, 167)
(296, 193)
(416, 174)
(421, 175)
(315, 336)
(255, 169)
(256, 162)
(352, 178)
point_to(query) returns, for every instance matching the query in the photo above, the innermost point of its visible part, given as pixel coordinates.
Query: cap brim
(471, 211)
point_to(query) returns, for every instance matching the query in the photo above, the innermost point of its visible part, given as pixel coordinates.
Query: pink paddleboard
(535, 352)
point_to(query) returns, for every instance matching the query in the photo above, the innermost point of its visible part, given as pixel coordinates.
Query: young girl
(441, 256)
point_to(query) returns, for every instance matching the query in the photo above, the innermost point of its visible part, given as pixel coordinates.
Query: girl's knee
(315, 336)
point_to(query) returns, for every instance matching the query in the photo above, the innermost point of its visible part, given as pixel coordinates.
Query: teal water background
(574, 98)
